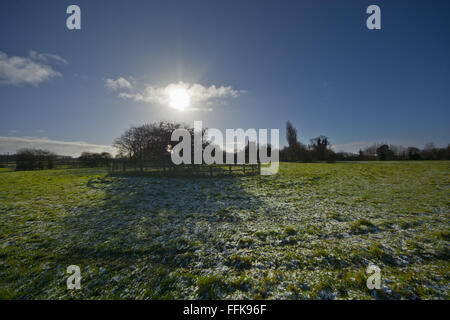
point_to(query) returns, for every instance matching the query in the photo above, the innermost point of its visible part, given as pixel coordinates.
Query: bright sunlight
(179, 98)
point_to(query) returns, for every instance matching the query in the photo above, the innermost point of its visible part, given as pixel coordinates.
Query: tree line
(319, 149)
(151, 143)
(38, 159)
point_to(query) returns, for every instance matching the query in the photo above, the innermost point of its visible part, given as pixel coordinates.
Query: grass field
(308, 233)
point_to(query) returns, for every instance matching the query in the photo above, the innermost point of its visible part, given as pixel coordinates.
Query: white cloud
(70, 148)
(32, 70)
(201, 97)
(46, 57)
(119, 83)
(352, 147)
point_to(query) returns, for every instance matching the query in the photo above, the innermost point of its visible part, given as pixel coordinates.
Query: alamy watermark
(374, 279)
(73, 22)
(258, 147)
(373, 22)
(74, 280)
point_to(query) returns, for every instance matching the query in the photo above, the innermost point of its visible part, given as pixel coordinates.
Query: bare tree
(151, 142)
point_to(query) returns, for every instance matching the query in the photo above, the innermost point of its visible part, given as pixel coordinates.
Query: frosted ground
(308, 233)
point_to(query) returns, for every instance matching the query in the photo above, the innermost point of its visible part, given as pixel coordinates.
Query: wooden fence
(121, 166)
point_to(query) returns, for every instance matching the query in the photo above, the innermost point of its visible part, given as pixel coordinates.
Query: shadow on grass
(173, 223)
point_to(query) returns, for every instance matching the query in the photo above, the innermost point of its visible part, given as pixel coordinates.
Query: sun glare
(179, 98)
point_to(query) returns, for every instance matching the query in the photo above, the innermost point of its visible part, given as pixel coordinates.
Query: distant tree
(31, 159)
(384, 152)
(429, 152)
(345, 156)
(447, 152)
(444, 153)
(361, 155)
(90, 159)
(413, 153)
(320, 148)
(398, 152)
(295, 150)
(291, 135)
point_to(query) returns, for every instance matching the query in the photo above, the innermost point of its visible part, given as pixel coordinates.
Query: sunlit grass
(308, 232)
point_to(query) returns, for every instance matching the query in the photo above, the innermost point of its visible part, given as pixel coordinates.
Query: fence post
(211, 170)
(230, 169)
(124, 167)
(244, 167)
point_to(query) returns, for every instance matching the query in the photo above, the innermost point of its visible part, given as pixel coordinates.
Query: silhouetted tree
(90, 159)
(320, 148)
(152, 142)
(413, 153)
(429, 152)
(384, 152)
(295, 151)
(361, 155)
(30, 159)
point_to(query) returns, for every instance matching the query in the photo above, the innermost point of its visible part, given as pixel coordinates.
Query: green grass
(307, 233)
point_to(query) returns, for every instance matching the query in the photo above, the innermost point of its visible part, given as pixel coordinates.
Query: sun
(179, 98)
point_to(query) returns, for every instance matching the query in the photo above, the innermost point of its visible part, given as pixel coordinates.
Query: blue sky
(311, 62)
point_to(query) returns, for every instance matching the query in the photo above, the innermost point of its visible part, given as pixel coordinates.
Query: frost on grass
(308, 233)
